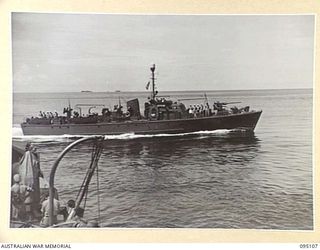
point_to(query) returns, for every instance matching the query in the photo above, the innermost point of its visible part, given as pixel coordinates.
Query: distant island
(86, 91)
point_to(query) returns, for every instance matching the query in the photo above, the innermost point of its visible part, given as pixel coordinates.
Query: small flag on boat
(147, 87)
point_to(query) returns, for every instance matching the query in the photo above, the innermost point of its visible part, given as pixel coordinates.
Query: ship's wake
(18, 135)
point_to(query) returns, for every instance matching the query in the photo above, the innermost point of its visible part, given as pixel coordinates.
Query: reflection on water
(220, 149)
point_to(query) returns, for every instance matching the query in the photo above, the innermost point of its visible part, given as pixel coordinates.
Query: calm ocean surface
(201, 180)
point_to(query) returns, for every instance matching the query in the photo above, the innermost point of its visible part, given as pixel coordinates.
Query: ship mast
(153, 80)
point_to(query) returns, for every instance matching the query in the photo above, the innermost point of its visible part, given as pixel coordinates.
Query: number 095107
(308, 246)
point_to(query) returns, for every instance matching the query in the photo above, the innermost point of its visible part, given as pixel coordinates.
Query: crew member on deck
(70, 205)
(191, 111)
(19, 193)
(45, 211)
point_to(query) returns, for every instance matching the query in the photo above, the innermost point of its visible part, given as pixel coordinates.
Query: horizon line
(132, 91)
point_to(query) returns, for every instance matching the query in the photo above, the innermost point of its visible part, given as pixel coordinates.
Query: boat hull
(246, 121)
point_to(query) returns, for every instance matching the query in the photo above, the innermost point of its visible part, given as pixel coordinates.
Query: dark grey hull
(245, 121)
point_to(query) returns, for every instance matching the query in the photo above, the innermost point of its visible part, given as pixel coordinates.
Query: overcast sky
(101, 52)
